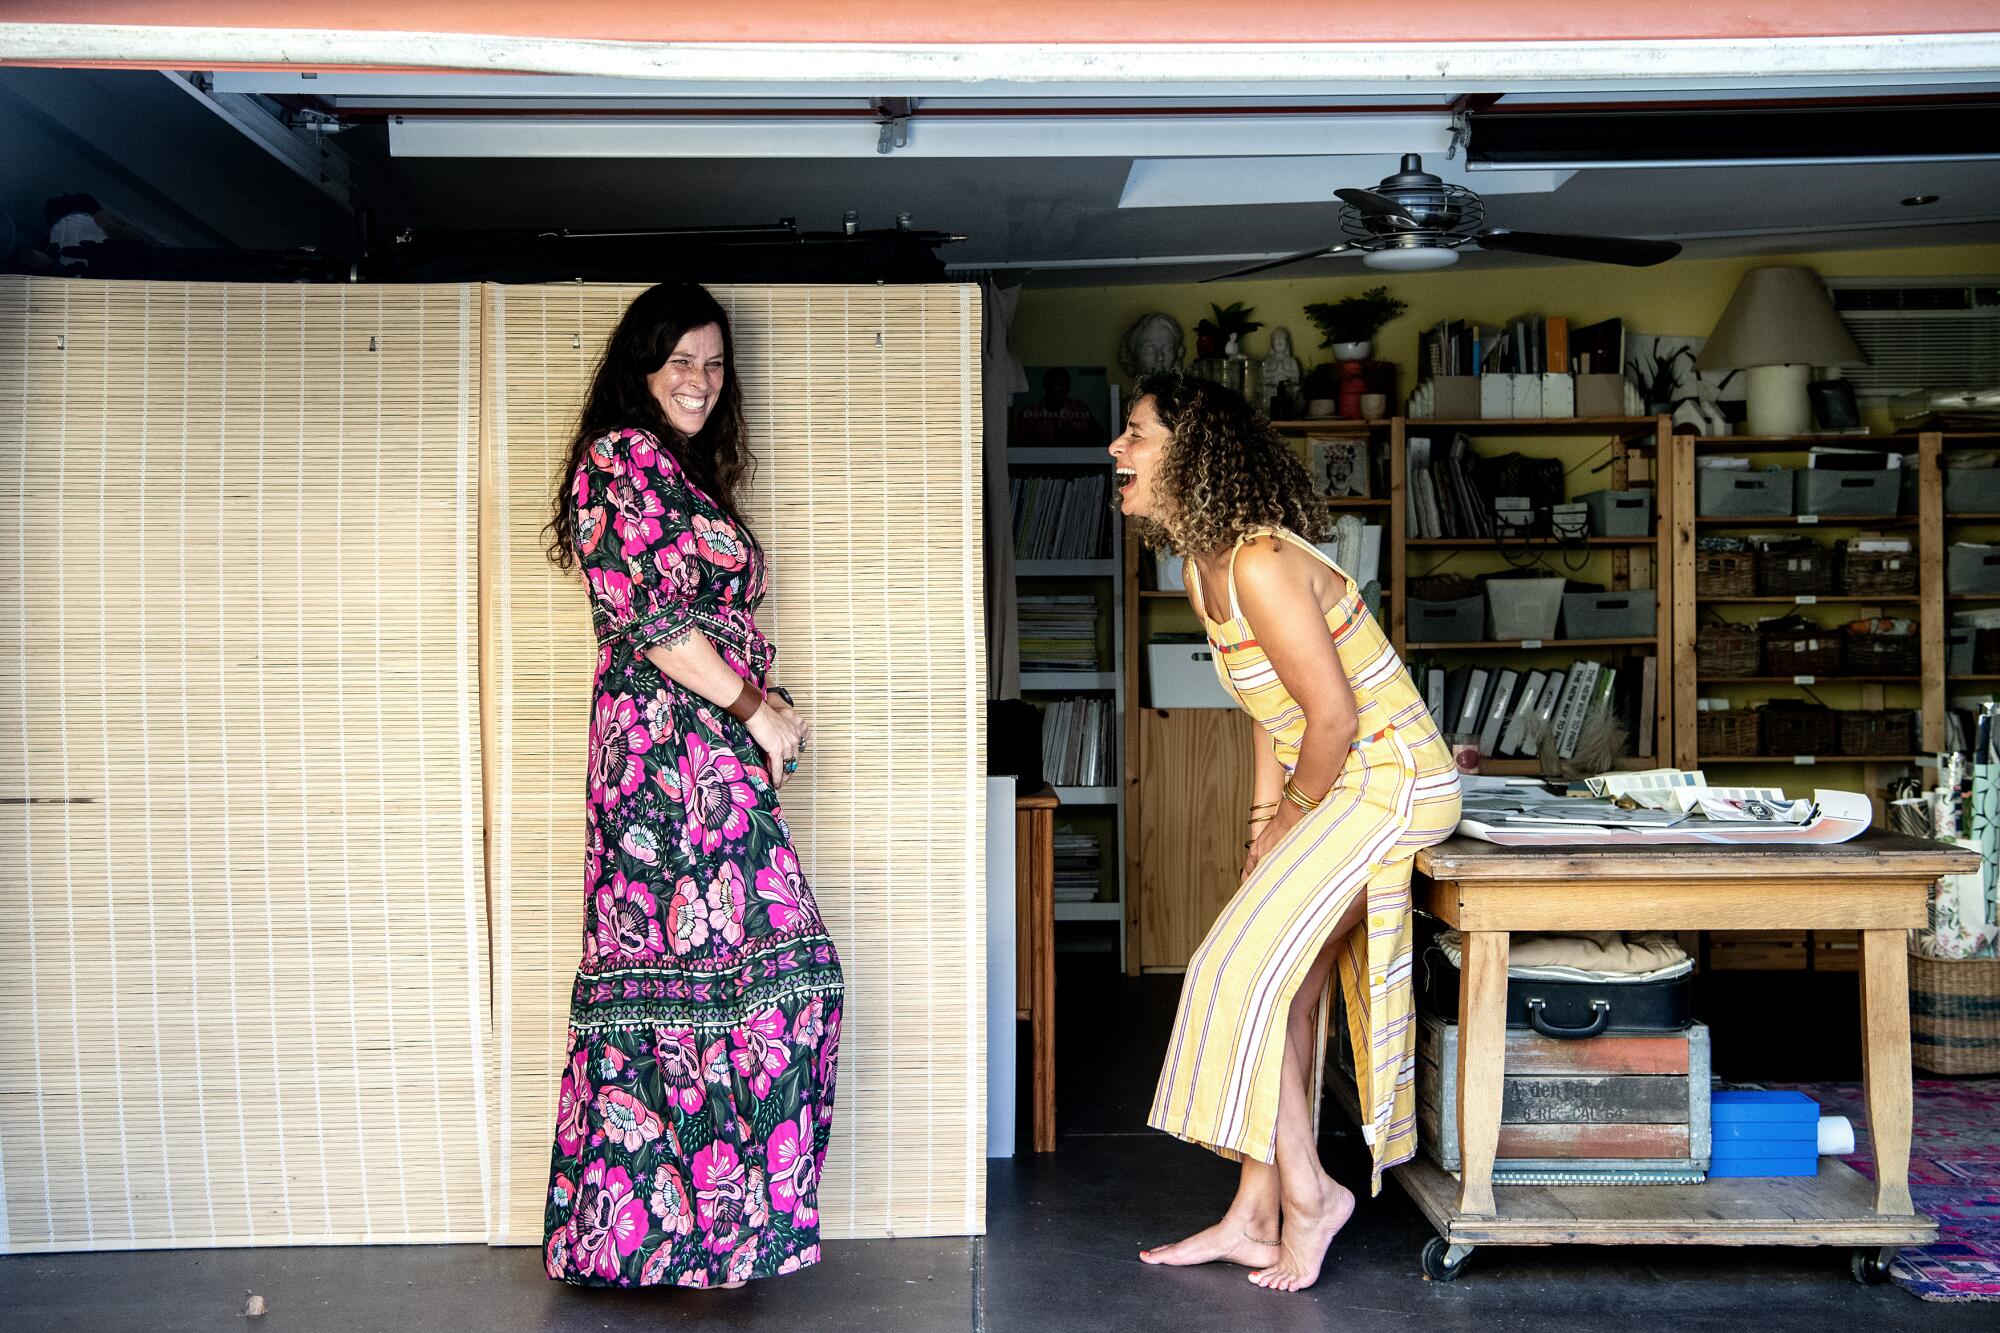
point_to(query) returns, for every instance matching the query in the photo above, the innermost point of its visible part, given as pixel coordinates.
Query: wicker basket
(1725, 732)
(1725, 574)
(1878, 573)
(1955, 1014)
(1885, 731)
(1794, 568)
(1801, 651)
(1986, 652)
(1790, 728)
(1875, 654)
(1727, 650)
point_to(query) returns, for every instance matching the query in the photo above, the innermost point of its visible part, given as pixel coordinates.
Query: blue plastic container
(1764, 1134)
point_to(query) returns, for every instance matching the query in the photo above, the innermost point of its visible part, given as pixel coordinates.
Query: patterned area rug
(1954, 1177)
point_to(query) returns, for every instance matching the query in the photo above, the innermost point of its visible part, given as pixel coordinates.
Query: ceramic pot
(1320, 407)
(1353, 351)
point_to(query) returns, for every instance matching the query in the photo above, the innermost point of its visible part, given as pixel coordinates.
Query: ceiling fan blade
(1280, 263)
(1597, 249)
(1374, 205)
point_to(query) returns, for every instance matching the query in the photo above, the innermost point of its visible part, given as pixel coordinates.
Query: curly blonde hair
(1226, 470)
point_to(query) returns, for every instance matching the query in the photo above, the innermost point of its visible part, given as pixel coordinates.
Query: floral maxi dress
(697, 1097)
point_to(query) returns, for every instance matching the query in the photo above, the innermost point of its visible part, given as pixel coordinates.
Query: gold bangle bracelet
(1300, 799)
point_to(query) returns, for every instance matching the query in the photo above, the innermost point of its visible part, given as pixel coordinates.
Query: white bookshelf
(1106, 577)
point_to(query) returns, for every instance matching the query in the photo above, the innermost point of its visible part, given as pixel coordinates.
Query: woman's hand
(1268, 836)
(781, 734)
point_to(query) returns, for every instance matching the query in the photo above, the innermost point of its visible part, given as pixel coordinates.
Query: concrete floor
(1060, 1255)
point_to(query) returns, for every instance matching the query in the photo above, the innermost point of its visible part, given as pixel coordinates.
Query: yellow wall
(1082, 325)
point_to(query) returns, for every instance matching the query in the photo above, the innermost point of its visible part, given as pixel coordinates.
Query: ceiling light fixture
(1411, 260)
(1919, 200)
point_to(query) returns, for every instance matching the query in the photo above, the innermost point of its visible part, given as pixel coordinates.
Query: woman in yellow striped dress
(1352, 779)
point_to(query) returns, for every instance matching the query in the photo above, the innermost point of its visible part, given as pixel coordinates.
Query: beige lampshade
(1779, 316)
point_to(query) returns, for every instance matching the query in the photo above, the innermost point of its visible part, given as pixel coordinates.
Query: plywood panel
(1193, 796)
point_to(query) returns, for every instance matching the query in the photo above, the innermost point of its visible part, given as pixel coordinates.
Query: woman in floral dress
(697, 1097)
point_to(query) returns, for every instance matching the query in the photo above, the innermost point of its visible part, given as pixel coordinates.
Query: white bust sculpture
(1282, 372)
(1153, 344)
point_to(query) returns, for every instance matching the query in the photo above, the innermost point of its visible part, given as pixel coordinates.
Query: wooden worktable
(1876, 884)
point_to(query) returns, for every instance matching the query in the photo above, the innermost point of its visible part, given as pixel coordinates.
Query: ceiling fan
(1413, 220)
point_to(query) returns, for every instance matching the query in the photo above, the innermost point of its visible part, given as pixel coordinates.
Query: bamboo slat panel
(864, 411)
(242, 935)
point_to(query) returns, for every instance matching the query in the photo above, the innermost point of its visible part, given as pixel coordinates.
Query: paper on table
(1842, 815)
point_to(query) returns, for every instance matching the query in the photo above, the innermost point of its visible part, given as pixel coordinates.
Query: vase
(1320, 407)
(1354, 351)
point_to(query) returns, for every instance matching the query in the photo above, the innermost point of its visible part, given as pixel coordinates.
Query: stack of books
(1079, 865)
(1445, 498)
(1076, 742)
(1059, 633)
(1062, 518)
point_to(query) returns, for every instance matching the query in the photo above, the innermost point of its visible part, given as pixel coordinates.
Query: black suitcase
(1568, 1009)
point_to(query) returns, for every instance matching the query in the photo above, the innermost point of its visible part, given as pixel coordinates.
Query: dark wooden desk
(1876, 884)
(1035, 949)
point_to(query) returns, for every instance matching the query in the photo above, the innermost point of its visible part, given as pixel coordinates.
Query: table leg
(1482, 1056)
(1885, 1064)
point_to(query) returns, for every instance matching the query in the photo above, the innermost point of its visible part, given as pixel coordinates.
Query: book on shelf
(1059, 632)
(1076, 742)
(1446, 498)
(1061, 518)
(1079, 860)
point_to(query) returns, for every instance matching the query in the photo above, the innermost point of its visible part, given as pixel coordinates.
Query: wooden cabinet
(1191, 797)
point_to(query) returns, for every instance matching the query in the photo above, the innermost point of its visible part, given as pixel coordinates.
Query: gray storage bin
(1720, 493)
(1835, 491)
(1958, 650)
(1610, 615)
(1458, 621)
(1619, 513)
(1972, 490)
(1524, 608)
(1972, 569)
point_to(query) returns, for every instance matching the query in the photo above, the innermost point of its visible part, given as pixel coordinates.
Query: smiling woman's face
(1137, 455)
(690, 382)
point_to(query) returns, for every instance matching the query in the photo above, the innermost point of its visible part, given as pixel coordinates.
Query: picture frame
(1339, 465)
(1063, 407)
(1833, 405)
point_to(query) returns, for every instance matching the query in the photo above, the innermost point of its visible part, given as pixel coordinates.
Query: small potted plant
(1221, 334)
(1321, 389)
(1349, 325)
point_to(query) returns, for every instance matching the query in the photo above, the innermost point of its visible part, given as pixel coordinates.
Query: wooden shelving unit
(1924, 691)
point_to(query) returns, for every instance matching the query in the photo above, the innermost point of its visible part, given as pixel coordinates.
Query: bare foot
(1303, 1241)
(1226, 1241)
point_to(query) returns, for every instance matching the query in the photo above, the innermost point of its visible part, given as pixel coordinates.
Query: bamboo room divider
(864, 412)
(242, 934)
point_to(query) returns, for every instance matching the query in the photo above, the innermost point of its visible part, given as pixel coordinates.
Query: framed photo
(1833, 405)
(1339, 465)
(1063, 406)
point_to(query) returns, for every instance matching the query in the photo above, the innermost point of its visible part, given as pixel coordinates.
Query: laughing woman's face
(1137, 455)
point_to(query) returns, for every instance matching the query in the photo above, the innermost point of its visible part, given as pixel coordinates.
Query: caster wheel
(1871, 1266)
(1443, 1262)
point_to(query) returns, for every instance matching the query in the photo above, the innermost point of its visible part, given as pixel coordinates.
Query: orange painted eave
(1119, 22)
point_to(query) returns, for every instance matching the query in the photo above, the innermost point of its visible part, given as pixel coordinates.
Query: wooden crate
(1630, 1101)
(1757, 951)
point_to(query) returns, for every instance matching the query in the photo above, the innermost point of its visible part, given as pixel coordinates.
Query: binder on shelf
(1523, 709)
(1545, 714)
(1496, 711)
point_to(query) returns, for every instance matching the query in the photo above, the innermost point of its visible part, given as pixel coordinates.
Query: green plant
(1231, 320)
(1354, 319)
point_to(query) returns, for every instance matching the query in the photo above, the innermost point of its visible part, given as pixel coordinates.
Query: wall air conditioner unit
(1936, 333)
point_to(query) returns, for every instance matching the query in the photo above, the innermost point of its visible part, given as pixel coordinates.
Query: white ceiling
(1075, 184)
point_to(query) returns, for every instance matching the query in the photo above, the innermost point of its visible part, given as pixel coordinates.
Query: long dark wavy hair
(717, 459)
(1226, 469)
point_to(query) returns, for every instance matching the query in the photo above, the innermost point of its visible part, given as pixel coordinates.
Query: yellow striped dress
(1397, 793)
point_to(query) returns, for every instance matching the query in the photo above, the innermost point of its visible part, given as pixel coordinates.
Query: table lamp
(1777, 327)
